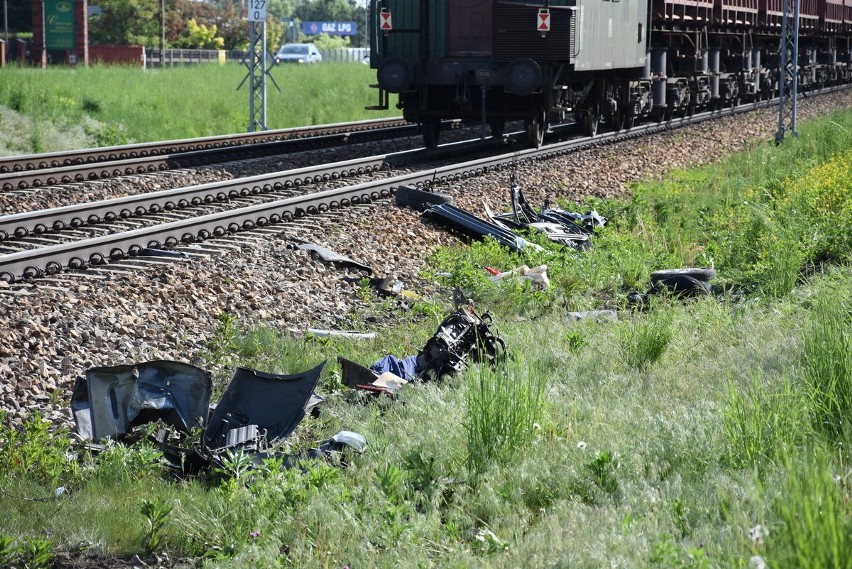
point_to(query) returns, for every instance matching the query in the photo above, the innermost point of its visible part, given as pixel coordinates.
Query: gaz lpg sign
(330, 28)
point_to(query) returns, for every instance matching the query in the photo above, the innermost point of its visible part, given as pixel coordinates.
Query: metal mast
(257, 75)
(788, 71)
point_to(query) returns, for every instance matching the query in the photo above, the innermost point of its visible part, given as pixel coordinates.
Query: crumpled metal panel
(475, 227)
(329, 256)
(275, 403)
(110, 401)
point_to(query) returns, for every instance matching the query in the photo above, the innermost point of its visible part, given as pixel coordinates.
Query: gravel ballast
(56, 328)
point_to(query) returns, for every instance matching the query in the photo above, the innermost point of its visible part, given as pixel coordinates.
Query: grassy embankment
(691, 434)
(58, 109)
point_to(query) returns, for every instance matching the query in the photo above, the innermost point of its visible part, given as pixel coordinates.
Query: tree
(231, 24)
(326, 11)
(199, 36)
(125, 22)
(20, 16)
(280, 9)
(334, 11)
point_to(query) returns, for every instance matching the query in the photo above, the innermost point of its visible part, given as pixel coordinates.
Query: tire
(682, 286)
(702, 274)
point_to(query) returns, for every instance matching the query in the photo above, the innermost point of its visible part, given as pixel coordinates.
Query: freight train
(608, 62)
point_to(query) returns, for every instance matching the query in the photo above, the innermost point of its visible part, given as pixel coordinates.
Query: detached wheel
(431, 131)
(701, 274)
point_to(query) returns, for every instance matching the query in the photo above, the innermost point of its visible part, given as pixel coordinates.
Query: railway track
(45, 254)
(39, 243)
(37, 170)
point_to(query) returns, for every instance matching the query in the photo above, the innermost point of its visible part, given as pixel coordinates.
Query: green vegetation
(109, 105)
(713, 432)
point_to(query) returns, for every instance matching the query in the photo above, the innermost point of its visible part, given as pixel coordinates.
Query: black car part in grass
(256, 411)
(560, 226)
(110, 401)
(472, 226)
(462, 335)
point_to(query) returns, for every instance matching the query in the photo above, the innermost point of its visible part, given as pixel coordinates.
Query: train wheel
(431, 131)
(498, 127)
(535, 129)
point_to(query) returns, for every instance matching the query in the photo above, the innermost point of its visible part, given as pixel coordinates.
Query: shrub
(35, 451)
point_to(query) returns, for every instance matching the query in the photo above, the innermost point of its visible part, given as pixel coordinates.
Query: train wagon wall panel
(516, 35)
(847, 15)
(667, 12)
(737, 12)
(830, 15)
(772, 12)
(404, 39)
(610, 35)
(438, 29)
(470, 28)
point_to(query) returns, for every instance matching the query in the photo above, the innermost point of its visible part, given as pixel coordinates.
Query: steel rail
(106, 153)
(53, 259)
(93, 164)
(38, 222)
(79, 254)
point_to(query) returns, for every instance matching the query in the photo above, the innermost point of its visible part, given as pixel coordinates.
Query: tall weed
(503, 406)
(36, 451)
(121, 464)
(780, 251)
(644, 340)
(815, 510)
(827, 364)
(762, 421)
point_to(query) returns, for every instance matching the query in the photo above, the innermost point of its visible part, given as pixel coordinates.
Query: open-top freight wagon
(596, 61)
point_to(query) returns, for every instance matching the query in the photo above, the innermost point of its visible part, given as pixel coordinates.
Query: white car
(298, 53)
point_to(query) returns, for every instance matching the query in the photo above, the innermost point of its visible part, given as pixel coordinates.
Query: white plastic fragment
(538, 275)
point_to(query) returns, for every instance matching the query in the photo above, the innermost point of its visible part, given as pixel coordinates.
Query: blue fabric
(405, 368)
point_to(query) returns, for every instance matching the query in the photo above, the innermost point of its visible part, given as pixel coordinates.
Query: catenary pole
(788, 71)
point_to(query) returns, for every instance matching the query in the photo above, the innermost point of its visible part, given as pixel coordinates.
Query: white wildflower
(757, 562)
(581, 445)
(757, 533)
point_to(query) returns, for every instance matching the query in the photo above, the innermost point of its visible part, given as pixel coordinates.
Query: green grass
(665, 474)
(108, 105)
(707, 432)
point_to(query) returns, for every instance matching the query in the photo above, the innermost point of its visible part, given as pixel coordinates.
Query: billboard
(59, 24)
(330, 28)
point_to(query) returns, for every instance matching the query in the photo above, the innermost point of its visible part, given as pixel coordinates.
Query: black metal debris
(256, 411)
